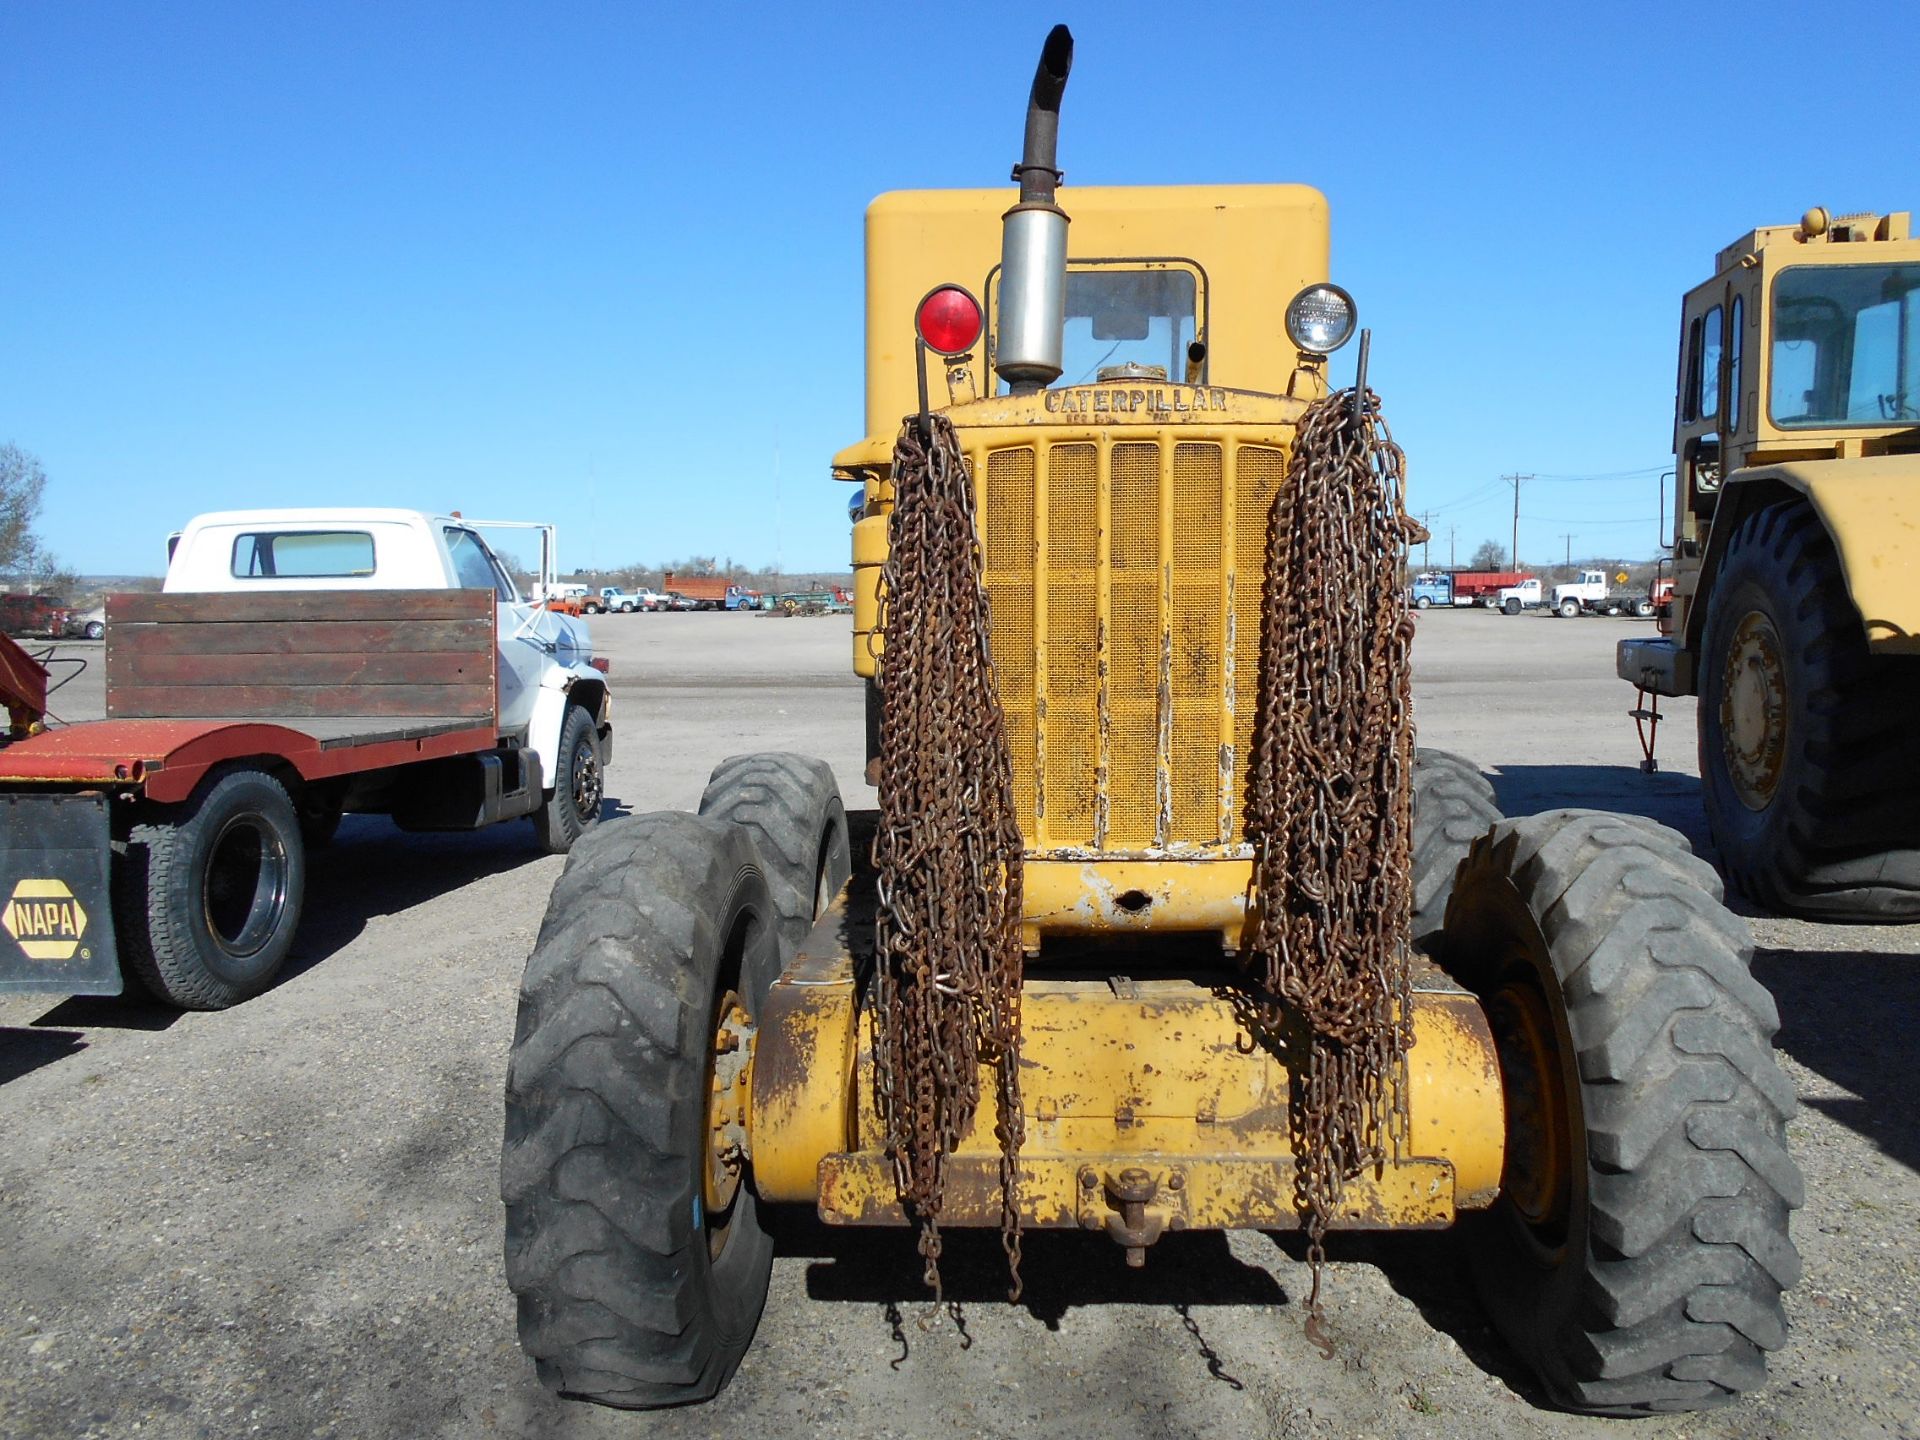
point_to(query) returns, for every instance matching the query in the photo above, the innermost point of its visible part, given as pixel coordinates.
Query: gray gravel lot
(282, 1221)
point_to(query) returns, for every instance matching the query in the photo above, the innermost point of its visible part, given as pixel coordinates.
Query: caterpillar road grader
(1163, 923)
(1796, 544)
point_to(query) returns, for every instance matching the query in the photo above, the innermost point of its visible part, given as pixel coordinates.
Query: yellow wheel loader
(1796, 544)
(1163, 923)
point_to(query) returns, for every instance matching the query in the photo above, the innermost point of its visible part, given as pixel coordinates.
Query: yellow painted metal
(1256, 246)
(869, 554)
(1102, 893)
(1871, 507)
(1118, 1074)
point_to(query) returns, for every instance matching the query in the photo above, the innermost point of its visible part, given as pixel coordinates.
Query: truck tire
(635, 1289)
(1510, 606)
(1809, 751)
(1643, 608)
(1639, 1248)
(790, 805)
(207, 893)
(1568, 608)
(579, 784)
(1422, 603)
(1453, 806)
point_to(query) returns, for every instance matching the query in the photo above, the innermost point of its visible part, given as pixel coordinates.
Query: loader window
(1736, 346)
(302, 554)
(1846, 346)
(1709, 401)
(1119, 314)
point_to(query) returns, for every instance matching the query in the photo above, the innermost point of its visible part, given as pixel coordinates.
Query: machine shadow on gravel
(1850, 1015)
(1059, 1270)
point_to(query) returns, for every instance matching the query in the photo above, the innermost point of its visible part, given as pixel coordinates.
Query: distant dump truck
(298, 664)
(1796, 615)
(708, 592)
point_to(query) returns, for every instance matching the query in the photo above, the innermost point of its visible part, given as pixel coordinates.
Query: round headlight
(1320, 319)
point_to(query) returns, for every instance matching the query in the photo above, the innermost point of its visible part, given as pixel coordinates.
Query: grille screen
(1149, 558)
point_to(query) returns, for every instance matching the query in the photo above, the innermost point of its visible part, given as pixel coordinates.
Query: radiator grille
(1128, 672)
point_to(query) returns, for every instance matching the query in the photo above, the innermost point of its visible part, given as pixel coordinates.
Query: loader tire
(1809, 750)
(1639, 1248)
(635, 1290)
(572, 807)
(207, 893)
(791, 806)
(1453, 806)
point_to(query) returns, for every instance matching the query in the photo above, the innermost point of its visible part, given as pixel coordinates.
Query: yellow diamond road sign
(45, 918)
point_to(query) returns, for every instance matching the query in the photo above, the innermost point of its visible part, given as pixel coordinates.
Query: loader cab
(1805, 345)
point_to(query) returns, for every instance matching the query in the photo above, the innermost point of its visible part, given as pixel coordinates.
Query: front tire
(634, 1247)
(791, 806)
(1569, 609)
(579, 784)
(1809, 754)
(1510, 606)
(1638, 1251)
(1422, 603)
(1453, 806)
(207, 894)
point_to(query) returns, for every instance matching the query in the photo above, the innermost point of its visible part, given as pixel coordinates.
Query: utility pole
(1569, 540)
(1426, 545)
(1513, 556)
(1450, 534)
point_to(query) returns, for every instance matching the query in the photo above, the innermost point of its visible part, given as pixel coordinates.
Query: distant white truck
(625, 602)
(1512, 599)
(1591, 594)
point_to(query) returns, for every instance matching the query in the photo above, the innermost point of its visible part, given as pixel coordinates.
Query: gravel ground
(282, 1221)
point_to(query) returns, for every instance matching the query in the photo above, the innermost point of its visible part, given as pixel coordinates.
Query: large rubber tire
(1643, 608)
(631, 1293)
(1568, 609)
(1510, 606)
(790, 805)
(1638, 1250)
(96, 630)
(579, 783)
(207, 893)
(1422, 603)
(1453, 806)
(1813, 798)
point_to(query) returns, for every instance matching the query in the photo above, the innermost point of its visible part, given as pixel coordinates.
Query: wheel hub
(1538, 1145)
(586, 781)
(1753, 711)
(732, 1083)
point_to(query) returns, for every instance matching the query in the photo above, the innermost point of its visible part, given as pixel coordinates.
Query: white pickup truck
(1592, 595)
(296, 665)
(1512, 599)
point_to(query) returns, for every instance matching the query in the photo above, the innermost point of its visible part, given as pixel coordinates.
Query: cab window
(1119, 314)
(302, 554)
(1736, 347)
(1846, 346)
(1707, 404)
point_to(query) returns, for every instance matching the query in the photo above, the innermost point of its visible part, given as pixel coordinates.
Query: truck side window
(1709, 373)
(475, 566)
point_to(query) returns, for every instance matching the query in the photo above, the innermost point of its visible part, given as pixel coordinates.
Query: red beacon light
(948, 320)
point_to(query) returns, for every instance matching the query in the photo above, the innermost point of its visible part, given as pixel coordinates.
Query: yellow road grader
(1796, 544)
(1164, 924)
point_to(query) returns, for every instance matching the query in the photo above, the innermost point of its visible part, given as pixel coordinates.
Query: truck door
(526, 639)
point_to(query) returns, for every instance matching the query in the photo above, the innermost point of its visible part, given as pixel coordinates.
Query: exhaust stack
(1033, 254)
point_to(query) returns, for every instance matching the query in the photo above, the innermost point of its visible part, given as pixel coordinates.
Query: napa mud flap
(56, 916)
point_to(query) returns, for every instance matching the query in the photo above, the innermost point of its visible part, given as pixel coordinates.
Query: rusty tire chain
(947, 852)
(1329, 805)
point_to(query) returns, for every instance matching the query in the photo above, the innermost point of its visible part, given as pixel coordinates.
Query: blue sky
(600, 264)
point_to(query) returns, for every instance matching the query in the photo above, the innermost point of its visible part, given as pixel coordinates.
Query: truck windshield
(1119, 316)
(1846, 348)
